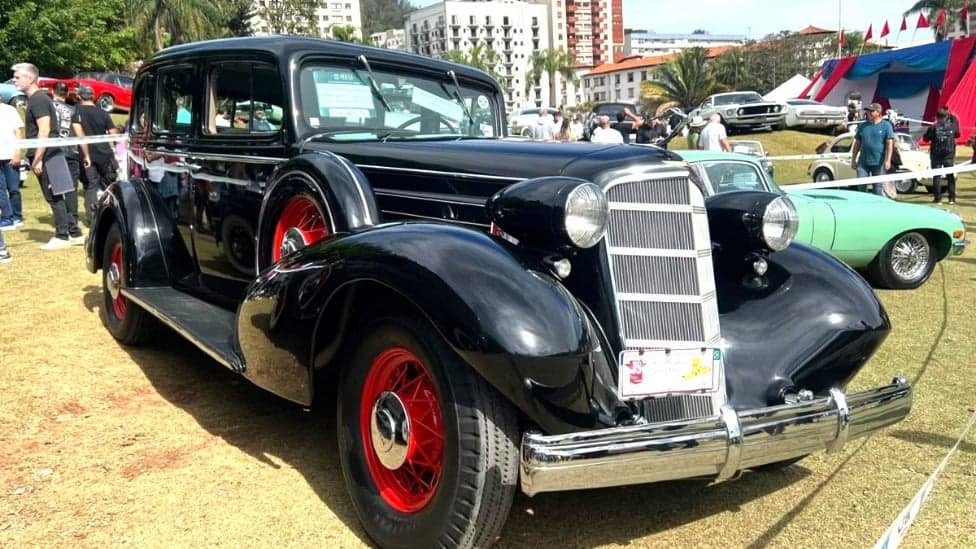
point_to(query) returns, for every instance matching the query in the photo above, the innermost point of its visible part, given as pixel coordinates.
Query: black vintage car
(326, 218)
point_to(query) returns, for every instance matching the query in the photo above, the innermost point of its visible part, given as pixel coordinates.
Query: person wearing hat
(103, 168)
(874, 142)
(694, 131)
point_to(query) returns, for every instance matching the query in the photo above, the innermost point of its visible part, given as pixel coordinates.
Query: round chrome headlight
(587, 215)
(780, 223)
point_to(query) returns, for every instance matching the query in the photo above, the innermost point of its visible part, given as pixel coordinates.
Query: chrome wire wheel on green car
(905, 262)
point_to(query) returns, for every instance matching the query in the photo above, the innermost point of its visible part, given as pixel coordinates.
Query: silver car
(743, 110)
(809, 114)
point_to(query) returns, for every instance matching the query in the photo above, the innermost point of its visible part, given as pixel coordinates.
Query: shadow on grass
(933, 439)
(943, 324)
(262, 425)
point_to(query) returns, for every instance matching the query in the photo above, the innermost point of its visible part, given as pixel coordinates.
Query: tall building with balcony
(328, 14)
(592, 31)
(394, 39)
(513, 29)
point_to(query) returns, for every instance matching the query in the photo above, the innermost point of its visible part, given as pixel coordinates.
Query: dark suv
(332, 219)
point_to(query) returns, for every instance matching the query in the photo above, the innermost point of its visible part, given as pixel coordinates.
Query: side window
(174, 101)
(842, 145)
(141, 104)
(245, 98)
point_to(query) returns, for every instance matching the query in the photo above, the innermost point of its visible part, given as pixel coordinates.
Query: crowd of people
(59, 169)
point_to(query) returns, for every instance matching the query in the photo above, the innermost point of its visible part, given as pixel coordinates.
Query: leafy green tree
(853, 43)
(381, 15)
(289, 17)
(346, 33)
(62, 38)
(730, 70)
(685, 79)
(480, 56)
(931, 10)
(167, 22)
(550, 62)
(238, 14)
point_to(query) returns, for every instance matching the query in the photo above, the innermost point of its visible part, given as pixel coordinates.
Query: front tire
(906, 186)
(904, 263)
(128, 323)
(106, 102)
(428, 448)
(822, 175)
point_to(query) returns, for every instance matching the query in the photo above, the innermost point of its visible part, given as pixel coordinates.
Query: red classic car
(113, 91)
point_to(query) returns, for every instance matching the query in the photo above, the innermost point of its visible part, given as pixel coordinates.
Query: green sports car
(895, 244)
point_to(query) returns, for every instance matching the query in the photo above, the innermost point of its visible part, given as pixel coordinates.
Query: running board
(207, 326)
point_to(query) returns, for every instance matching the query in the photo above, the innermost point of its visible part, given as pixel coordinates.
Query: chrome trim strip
(653, 252)
(242, 158)
(667, 298)
(178, 327)
(843, 420)
(355, 177)
(438, 219)
(435, 172)
(673, 343)
(733, 459)
(444, 198)
(716, 447)
(636, 207)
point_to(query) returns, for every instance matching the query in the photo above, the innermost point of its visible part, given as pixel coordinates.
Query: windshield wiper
(377, 93)
(460, 100)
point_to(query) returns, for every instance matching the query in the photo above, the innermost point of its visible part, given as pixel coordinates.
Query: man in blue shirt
(873, 145)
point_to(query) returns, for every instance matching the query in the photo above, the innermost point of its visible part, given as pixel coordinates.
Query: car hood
(515, 158)
(869, 207)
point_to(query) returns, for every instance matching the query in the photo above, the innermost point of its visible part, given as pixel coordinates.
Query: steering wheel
(418, 118)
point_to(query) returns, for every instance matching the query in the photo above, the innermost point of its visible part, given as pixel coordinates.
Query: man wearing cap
(103, 169)
(873, 145)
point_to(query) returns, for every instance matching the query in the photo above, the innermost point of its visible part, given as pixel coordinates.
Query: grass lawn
(159, 446)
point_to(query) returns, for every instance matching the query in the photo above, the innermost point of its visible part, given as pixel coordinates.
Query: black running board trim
(207, 326)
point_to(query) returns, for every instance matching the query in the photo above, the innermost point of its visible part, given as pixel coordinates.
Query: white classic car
(520, 123)
(809, 114)
(742, 110)
(836, 164)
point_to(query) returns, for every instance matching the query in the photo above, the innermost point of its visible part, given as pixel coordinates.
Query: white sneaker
(77, 240)
(56, 244)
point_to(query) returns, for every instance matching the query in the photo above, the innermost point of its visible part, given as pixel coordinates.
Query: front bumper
(959, 246)
(718, 447)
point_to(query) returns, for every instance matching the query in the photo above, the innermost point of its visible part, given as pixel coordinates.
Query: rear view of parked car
(813, 115)
(485, 314)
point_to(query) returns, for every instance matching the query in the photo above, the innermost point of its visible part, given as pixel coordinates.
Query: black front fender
(513, 323)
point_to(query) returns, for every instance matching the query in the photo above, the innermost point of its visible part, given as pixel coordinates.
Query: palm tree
(550, 62)
(345, 33)
(931, 10)
(168, 22)
(730, 68)
(480, 56)
(685, 79)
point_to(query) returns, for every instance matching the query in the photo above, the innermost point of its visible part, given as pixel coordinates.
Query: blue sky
(757, 18)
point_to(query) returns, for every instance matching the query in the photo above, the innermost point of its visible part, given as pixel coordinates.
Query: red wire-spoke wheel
(115, 275)
(427, 445)
(402, 430)
(300, 224)
(127, 322)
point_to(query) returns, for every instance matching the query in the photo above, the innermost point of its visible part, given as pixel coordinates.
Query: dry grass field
(158, 446)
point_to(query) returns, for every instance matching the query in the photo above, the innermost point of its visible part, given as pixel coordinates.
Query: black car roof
(285, 47)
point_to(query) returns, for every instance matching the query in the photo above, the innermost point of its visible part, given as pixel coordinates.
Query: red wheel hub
(115, 277)
(301, 224)
(402, 430)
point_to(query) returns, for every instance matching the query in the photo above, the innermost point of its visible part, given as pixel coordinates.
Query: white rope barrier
(898, 176)
(68, 141)
(893, 537)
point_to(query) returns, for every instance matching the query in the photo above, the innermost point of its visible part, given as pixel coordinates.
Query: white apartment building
(592, 31)
(329, 13)
(647, 44)
(512, 28)
(394, 39)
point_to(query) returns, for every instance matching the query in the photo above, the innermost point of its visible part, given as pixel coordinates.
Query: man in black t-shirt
(623, 126)
(41, 121)
(104, 168)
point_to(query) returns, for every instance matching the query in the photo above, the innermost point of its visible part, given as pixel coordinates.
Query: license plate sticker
(658, 372)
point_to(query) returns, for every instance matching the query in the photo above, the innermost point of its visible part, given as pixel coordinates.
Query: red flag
(884, 29)
(904, 24)
(870, 34)
(841, 39)
(940, 19)
(923, 23)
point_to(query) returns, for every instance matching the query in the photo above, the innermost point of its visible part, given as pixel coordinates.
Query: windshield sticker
(338, 98)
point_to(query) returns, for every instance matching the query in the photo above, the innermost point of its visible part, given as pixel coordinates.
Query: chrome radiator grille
(661, 262)
(673, 408)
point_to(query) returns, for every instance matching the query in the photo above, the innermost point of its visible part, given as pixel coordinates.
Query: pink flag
(870, 34)
(923, 23)
(884, 30)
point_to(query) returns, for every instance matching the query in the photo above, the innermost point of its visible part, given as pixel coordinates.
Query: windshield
(738, 98)
(724, 176)
(340, 104)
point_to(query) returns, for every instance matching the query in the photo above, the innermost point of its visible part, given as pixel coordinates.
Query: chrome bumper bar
(959, 247)
(718, 447)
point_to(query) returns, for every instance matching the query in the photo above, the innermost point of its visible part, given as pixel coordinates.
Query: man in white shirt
(604, 133)
(713, 136)
(11, 208)
(544, 127)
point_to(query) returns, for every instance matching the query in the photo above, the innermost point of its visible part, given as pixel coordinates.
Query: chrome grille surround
(660, 256)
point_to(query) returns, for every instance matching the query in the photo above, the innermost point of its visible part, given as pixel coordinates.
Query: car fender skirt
(502, 314)
(153, 245)
(812, 325)
(714, 447)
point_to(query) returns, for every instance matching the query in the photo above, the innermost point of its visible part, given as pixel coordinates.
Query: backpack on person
(944, 139)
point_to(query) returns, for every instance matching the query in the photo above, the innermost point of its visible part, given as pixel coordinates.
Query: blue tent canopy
(926, 59)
